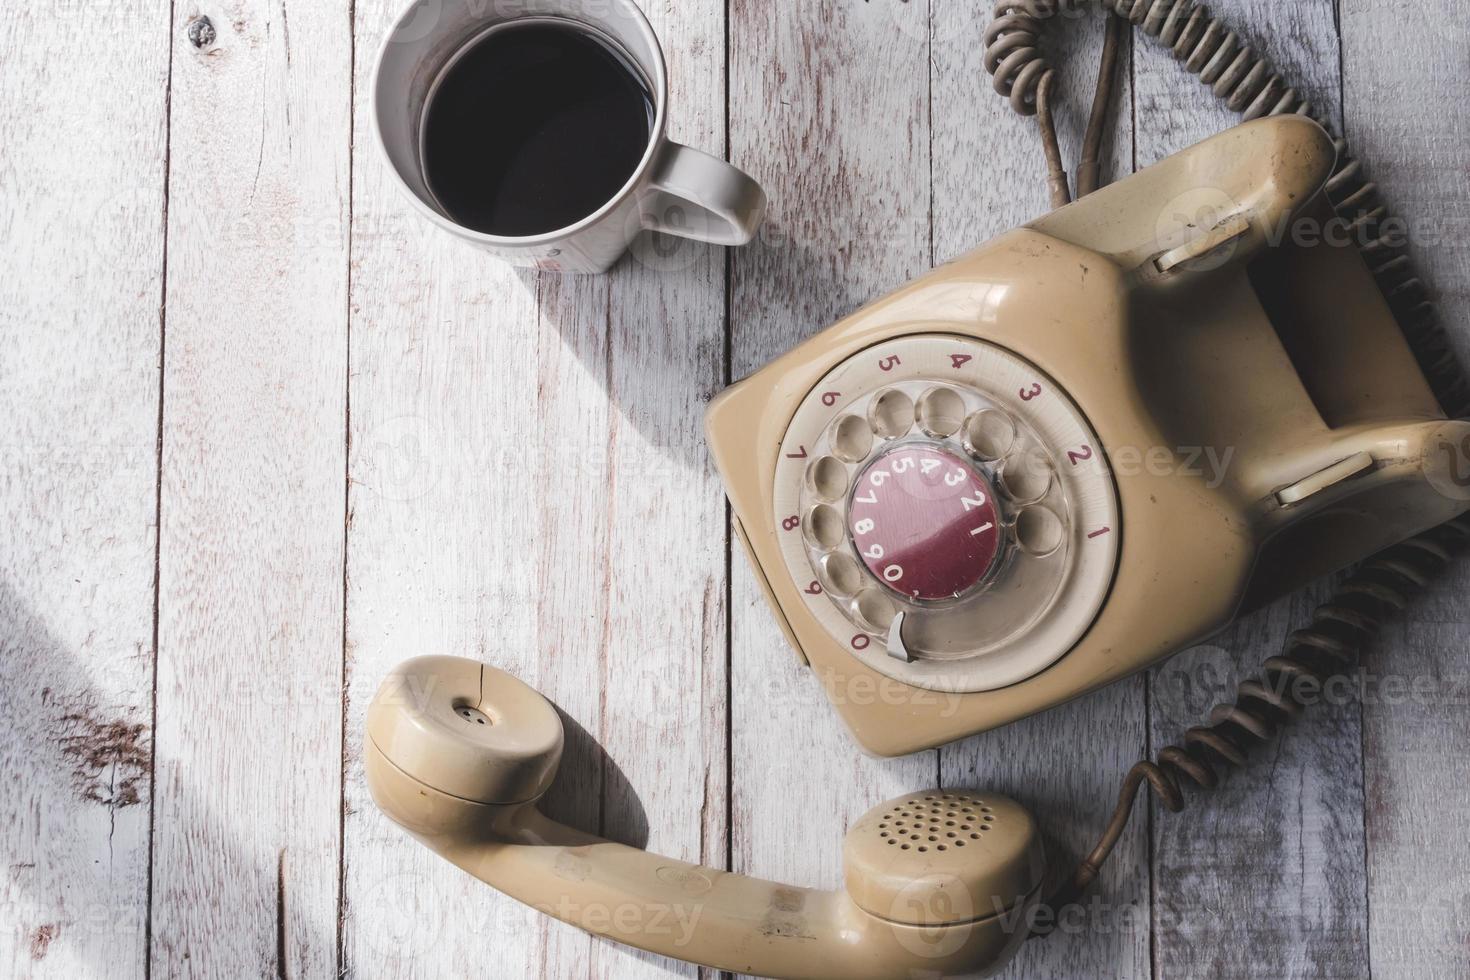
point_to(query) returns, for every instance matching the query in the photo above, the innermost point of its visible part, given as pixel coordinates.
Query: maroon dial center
(924, 522)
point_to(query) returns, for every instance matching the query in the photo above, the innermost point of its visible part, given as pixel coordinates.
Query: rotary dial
(944, 508)
(924, 522)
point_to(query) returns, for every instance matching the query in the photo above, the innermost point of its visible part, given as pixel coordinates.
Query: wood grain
(1262, 876)
(81, 215)
(989, 176)
(530, 487)
(844, 156)
(663, 711)
(443, 390)
(1406, 78)
(527, 484)
(246, 855)
(636, 657)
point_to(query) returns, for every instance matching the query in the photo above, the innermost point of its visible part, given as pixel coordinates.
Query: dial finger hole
(852, 439)
(824, 527)
(891, 414)
(941, 412)
(873, 611)
(827, 478)
(1027, 476)
(1039, 531)
(990, 434)
(840, 574)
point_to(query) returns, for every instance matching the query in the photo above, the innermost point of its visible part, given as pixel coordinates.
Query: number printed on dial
(924, 522)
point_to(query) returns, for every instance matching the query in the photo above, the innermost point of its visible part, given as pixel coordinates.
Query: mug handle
(692, 194)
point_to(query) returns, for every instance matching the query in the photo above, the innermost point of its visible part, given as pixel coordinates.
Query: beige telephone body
(1086, 445)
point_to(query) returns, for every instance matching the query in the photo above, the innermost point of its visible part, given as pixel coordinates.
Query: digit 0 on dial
(947, 480)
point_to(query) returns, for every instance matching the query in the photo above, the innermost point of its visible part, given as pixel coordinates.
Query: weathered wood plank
(989, 176)
(645, 674)
(1406, 79)
(81, 214)
(443, 388)
(246, 856)
(558, 518)
(1264, 875)
(664, 714)
(829, 109)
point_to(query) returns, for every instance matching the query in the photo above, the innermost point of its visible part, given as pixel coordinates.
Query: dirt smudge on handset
(785, 918)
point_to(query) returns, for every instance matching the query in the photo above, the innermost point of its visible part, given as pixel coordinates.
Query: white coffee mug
(675, 189)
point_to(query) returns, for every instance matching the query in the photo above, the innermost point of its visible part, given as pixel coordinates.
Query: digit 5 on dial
(988, 485)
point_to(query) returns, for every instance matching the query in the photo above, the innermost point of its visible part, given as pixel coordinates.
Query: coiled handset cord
(1383, 585)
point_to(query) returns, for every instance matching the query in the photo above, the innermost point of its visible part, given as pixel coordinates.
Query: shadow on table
(657, 330)
(80, 768)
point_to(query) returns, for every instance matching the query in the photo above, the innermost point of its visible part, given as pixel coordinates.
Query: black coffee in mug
(534, 127)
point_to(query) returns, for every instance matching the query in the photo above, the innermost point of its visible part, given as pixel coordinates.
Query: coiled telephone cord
(1383, 585)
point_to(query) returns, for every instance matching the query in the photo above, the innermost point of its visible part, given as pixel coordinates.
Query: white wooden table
(265, 434)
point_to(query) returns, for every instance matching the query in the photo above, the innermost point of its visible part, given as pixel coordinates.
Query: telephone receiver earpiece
(939, 884)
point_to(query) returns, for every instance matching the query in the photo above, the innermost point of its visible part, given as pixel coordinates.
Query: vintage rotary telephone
(1067, 455)
(1028, 474)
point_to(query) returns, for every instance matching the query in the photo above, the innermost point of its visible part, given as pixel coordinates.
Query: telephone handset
(941, 883)
(1083, 447)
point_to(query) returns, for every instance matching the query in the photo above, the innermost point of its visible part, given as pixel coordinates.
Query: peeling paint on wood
(111, 759)
(41, 939)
